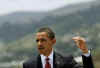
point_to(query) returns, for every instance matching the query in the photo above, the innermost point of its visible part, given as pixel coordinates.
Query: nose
(39, 43)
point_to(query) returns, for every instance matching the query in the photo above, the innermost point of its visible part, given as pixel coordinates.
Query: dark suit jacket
(60, 62)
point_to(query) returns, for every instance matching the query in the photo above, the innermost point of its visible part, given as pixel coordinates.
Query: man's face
(44, 43)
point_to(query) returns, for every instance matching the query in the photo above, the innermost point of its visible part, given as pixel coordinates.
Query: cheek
(47, 44)
(50, 45)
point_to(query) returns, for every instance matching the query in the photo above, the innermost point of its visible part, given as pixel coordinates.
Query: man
(48, 58)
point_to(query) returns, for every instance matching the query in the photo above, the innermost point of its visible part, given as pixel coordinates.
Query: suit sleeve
(71, 63)
(87, 62)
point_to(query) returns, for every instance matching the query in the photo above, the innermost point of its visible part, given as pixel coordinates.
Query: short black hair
(49, 31)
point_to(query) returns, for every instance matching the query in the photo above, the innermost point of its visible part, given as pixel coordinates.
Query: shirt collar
(50, 56)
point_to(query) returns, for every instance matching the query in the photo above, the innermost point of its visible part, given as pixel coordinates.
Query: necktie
(47, 65)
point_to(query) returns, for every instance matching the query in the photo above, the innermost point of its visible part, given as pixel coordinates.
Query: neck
(48, 52)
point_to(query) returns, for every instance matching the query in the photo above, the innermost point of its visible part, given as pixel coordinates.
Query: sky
(8, 6)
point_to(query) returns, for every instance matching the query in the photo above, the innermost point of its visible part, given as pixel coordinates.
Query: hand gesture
(81, 43)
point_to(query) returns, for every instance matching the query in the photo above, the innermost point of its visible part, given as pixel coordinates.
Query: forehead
(41, 34)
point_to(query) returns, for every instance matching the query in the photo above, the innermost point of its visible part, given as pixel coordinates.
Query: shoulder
(65, 60)
(64, 56)
(30, 61)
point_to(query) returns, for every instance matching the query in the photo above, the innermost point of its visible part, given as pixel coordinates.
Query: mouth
(41, 48)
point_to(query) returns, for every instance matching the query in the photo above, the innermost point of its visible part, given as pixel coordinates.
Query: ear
(54, 41)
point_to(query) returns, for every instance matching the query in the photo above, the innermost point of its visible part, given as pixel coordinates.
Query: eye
(37, 40)
(41, 40)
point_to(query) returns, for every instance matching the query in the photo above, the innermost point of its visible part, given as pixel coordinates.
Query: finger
(78, 38)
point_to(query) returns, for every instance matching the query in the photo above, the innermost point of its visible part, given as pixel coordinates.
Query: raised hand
(81, 43)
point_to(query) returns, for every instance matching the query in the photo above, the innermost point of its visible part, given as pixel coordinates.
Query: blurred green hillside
(17, 32)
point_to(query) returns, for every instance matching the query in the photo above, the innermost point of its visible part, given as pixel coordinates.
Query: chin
(41, 51)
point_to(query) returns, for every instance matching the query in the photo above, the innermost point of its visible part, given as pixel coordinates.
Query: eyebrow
(43, 39)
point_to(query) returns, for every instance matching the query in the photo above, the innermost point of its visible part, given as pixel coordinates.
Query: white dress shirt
(50, 59)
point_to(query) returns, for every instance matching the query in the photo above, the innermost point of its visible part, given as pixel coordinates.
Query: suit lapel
(58, 61)
(54, 63)
(39, 62)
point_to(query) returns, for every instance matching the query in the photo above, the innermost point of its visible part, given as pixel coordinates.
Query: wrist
(85, 51)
